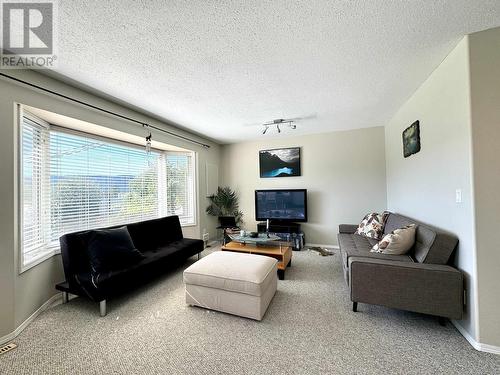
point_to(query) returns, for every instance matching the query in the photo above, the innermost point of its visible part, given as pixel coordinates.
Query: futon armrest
(348, 228)
(427, 288)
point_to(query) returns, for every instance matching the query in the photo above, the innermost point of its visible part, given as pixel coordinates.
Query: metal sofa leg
(199, 255)
(65, 297)
(355, 306)
(102, 307)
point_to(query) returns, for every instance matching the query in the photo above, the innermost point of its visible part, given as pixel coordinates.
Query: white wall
(344, 173)
(22, 294)
(423, 185)
(485, 94)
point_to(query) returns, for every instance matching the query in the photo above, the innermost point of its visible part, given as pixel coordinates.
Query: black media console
(287, 231)
(279, 227)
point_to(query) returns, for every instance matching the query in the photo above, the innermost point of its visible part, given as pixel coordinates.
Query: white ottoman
(234, 283)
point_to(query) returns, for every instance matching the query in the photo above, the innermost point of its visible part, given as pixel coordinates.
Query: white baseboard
(52, 301)
(475, 344)
(489, 348)
(322, 245)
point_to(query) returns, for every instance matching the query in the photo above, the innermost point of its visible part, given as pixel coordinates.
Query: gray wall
(343, 171)
(423, 185)
(22, 294)
(458, 108)
(485, 91)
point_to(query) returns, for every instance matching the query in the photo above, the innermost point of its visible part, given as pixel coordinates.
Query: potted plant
(224, 203)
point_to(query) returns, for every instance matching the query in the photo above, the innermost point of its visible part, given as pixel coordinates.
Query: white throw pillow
(398, 242)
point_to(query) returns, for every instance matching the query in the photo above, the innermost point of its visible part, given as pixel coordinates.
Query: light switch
(458, 196)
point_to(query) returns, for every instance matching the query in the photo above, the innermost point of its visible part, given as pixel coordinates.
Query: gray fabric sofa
(420, 281)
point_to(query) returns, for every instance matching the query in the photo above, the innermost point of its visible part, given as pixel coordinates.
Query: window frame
(55, 249)
(192, 185)
(20, 180)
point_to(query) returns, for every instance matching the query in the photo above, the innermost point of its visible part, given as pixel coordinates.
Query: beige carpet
(308, 329)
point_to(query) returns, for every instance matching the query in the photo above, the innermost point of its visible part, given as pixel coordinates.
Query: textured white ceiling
(213, 67)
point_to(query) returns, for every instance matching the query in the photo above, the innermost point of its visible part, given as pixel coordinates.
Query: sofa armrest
(348, 228)
(426, 288)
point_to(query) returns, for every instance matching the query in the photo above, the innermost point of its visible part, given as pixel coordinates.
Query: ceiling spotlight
(290, 122)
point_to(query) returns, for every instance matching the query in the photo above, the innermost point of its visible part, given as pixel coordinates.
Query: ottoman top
(236, 272)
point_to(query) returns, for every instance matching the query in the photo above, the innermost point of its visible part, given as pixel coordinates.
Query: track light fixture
(277, 122)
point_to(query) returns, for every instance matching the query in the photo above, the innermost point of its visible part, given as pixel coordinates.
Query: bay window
(73, 181)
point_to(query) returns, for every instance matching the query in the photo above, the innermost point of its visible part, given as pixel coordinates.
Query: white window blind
(94, 183)
(35, 198)
(180, 186)
(73, 181)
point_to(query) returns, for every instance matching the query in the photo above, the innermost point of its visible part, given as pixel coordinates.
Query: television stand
(279, 227)
(285, 230)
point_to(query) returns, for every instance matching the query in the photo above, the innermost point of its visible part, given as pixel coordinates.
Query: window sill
(35, 262)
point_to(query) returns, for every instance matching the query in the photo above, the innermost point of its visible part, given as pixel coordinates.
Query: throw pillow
(398, 242)
(372, 225)
(111, 249)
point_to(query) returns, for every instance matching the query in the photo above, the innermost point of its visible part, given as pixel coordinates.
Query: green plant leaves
(224, 203)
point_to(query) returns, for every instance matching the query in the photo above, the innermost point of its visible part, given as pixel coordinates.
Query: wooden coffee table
(283, 253)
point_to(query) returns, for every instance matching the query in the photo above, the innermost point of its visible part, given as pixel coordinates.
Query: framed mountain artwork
(280, 162)
(411, 139)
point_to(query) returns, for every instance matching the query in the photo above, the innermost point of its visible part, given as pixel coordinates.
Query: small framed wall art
(282, 162)
(411, 139)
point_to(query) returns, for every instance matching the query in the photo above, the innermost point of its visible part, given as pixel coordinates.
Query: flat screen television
(281, 205)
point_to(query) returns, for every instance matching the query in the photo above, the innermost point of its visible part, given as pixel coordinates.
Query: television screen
(285, 205)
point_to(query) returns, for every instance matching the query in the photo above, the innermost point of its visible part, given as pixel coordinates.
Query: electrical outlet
(206, 238)
(458, 196)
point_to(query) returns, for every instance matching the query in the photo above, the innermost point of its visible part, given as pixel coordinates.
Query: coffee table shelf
(280, 251)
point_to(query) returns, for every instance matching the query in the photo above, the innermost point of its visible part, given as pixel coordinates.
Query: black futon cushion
(111, 249)
(152, 234)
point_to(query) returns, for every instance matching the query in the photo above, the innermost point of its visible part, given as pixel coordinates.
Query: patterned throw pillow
(398, 242)
(373, 225)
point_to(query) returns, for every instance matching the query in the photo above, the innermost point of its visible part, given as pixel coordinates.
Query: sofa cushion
(111, 249)
(151, 234)
(184, 245)
(112, 280)
(355, 245)
(432, 245)
(356, 242)
(399, 242)
(372, 225)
